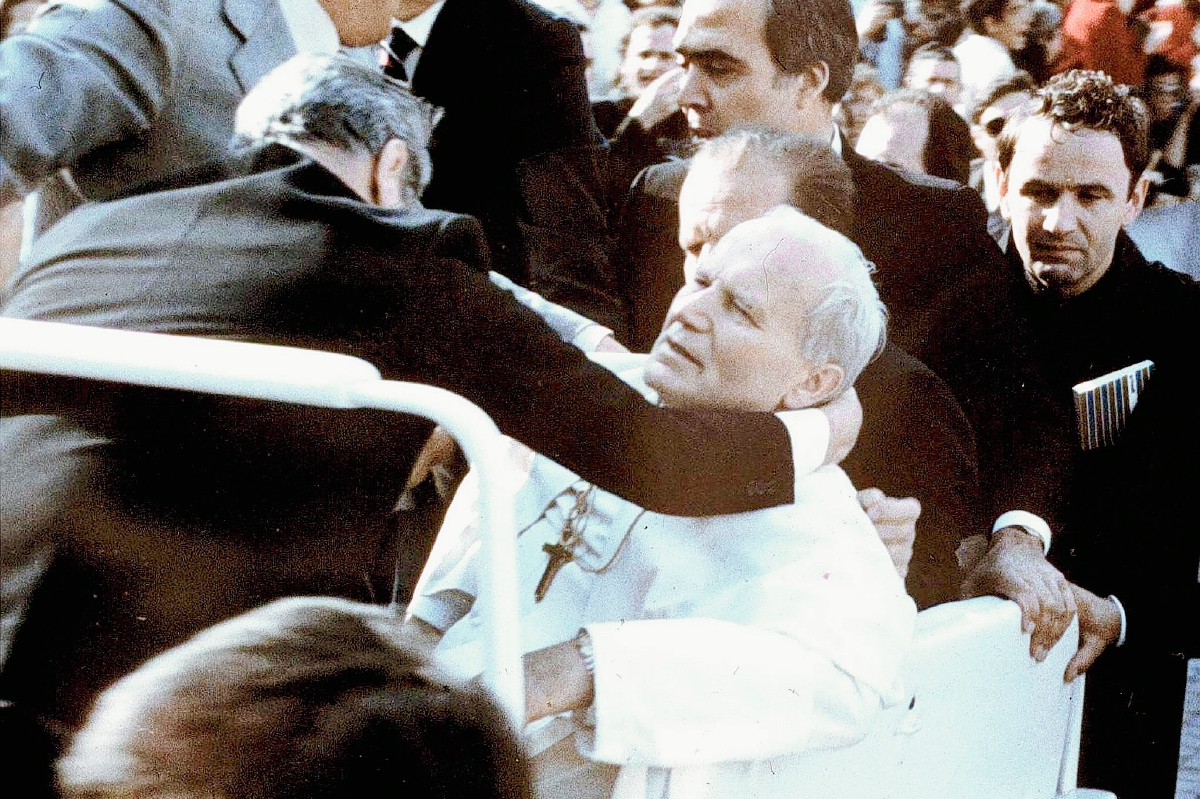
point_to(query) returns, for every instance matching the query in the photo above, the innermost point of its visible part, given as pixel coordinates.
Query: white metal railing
(309, 377)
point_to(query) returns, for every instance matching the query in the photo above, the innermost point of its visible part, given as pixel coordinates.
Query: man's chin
(1056, 277)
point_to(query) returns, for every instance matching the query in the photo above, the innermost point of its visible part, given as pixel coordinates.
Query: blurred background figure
(890, 30)
(1043, 43)
(14, 16)
(1099, 34)
(855, 106)
(1170, 30)
(933, 68)
(918, 132)
(987, 120)
(647, 55)
(304, 698)
(648, 52)
(996, 29)
(603, 25)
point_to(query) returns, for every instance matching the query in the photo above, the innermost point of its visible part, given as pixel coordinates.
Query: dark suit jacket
(949, 301)
(1130, 528)
(208, 505)
(510, 77)
(915, 439)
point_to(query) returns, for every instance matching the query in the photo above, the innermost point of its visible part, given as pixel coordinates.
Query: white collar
(310, 26)
(419, 26)
(835, 140)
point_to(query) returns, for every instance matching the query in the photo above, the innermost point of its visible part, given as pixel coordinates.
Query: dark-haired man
(123, 94)
(1071, 177)
(934, 68)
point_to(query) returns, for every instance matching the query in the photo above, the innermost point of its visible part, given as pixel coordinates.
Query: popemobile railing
(307, 377)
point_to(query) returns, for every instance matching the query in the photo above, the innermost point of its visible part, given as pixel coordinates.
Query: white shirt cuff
(1030, 522)
(808, 430)
(1121, 610)
(590, 336)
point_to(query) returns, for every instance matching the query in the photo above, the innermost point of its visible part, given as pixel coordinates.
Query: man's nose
(694, 310)
(1063, 216)
(691, 90)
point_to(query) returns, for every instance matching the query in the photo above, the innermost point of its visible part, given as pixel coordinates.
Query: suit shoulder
(883, 181)
(662, 181)
(525, 20)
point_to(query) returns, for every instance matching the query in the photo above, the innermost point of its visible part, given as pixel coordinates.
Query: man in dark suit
(1071, 177)
(509, 76)
(783, 65)
(316, 242)
(124, 94)
(915, 441)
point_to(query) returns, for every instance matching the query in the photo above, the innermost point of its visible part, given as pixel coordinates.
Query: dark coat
(1130, 526)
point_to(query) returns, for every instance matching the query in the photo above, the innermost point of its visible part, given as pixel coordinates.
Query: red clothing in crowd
(1096, 35)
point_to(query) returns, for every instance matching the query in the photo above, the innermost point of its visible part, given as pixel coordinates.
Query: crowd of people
(806, 315)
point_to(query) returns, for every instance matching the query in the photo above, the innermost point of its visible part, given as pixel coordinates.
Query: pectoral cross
(559, 556)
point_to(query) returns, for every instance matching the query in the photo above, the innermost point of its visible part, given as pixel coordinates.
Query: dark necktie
(395, 53)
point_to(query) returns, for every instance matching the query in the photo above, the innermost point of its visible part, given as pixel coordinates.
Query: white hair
(848, 325)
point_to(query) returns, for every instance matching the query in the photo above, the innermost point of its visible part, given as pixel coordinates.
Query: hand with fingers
(1099, 626)
(659, 100)
(896, 522)
(1015, 567)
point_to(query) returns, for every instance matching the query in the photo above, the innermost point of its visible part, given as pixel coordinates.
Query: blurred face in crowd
(734, 333)
(1165, 95)
(715, 197)
(649, 55)
(943, 78)
(1067, 195)
(364, 22)
(896, 138)
(1012, 25)
(992, 120)
(730, 78)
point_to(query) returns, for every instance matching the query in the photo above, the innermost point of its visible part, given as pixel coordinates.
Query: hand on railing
(1015, 567)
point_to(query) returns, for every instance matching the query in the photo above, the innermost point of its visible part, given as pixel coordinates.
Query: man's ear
(388, 184)
(820, 385)
(1137, 199)
(812, 85)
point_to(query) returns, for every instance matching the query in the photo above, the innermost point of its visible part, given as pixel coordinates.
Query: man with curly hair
(1070, 175)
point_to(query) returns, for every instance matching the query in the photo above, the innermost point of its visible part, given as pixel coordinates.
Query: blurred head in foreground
(303, 698)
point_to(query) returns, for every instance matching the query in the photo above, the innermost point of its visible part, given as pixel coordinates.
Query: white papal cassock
(723, 645)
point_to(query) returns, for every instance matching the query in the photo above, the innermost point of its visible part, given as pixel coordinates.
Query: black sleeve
(457, 331)
(1137, 538)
